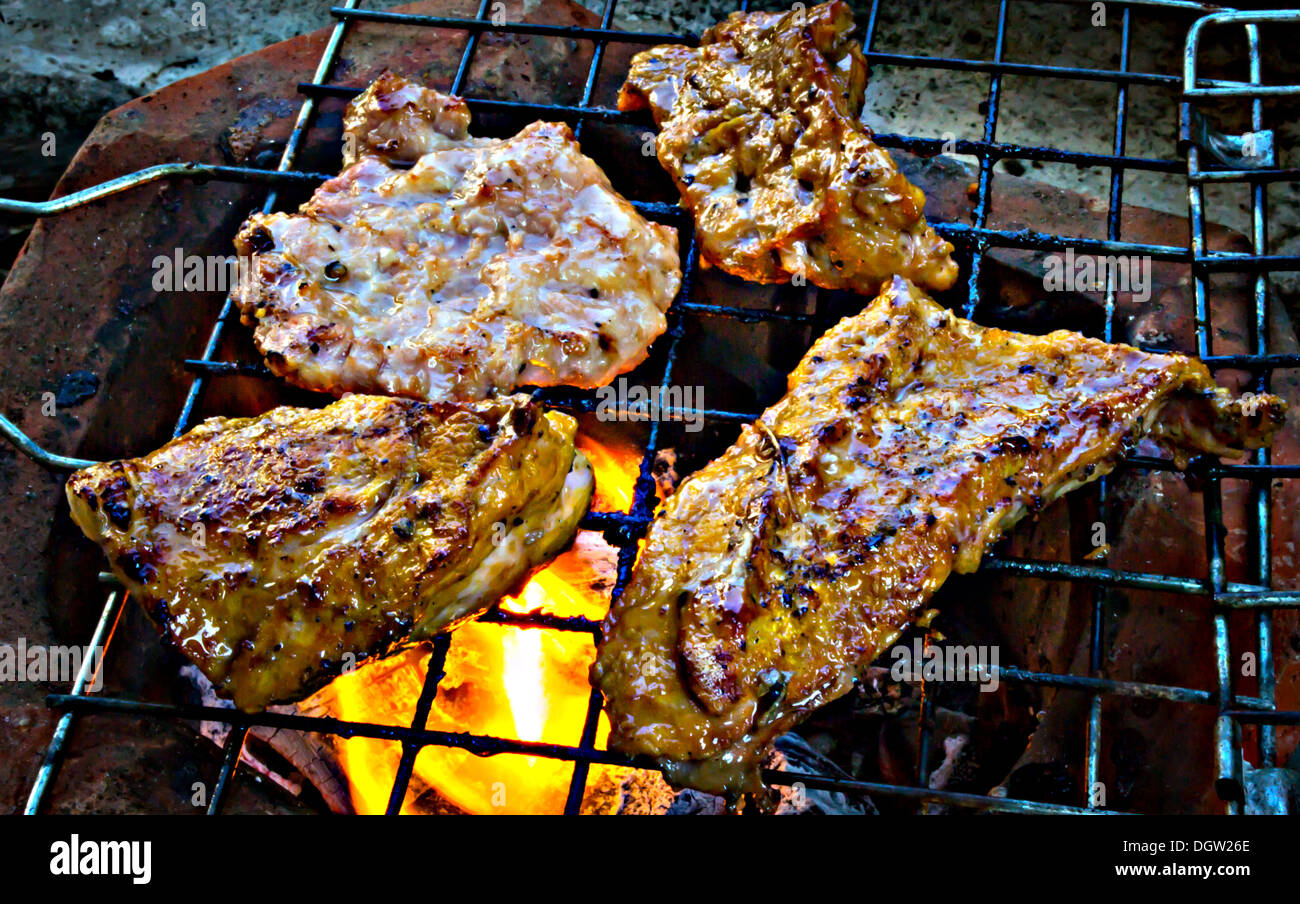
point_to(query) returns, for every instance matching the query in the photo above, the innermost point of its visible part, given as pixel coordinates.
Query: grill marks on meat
(488, 264)
(275, 551)
(759, 129)
(908, 442)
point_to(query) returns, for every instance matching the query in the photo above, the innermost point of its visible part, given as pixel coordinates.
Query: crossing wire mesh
(976, 238)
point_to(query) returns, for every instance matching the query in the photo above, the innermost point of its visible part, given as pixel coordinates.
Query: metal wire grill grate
(977, 238)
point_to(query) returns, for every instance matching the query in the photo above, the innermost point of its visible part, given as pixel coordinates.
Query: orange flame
(501, 680)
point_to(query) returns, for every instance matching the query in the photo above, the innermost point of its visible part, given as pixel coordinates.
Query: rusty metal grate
(624, 528)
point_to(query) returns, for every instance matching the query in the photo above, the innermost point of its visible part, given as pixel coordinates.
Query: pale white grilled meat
(401, 121)
(908, 442)
(488, 264)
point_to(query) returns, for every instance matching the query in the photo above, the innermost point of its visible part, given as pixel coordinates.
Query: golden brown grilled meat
(489, 264)
(759, 129)
(908, 442)
(277, 551)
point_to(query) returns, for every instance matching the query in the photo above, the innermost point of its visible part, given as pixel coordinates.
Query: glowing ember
(523, 679)
(528, 684)
(617, 466)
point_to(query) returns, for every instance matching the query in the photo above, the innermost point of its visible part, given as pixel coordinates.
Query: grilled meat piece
(489, 264)
(908, 442)
(400, 121)
(759, 129)
(277, 551)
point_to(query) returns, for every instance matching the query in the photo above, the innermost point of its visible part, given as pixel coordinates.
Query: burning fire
(501, 680)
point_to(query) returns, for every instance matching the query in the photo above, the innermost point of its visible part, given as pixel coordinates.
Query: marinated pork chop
(276, 551)
(908, 442)
(759, 129)
(488, 264)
